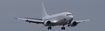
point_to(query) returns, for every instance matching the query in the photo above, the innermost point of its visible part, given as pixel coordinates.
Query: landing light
(55, 21)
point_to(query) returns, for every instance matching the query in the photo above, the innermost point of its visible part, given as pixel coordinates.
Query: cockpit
(69, 14)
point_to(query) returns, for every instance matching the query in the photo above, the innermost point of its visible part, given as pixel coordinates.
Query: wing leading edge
(80, 21)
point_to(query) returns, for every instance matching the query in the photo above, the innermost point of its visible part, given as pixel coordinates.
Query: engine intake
(74, 24)
(47, 23)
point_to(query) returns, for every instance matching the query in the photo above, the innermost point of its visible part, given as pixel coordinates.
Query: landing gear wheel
(62, 28)
(49, 28)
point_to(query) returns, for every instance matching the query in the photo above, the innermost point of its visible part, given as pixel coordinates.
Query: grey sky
(81, 9)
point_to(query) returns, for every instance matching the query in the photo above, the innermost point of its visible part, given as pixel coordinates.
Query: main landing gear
(49, 28)
(63, 28)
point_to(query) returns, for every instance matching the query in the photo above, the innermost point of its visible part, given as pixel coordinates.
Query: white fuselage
(59, 19)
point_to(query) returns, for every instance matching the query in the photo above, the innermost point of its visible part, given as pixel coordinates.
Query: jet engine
(74, 23)
(47, 23)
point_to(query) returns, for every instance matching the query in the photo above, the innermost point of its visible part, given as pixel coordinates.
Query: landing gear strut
(49, 28)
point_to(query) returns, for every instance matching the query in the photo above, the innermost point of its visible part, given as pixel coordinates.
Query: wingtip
(16, 18)
(88, 19)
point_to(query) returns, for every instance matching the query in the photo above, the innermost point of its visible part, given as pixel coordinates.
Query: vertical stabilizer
(44, 14)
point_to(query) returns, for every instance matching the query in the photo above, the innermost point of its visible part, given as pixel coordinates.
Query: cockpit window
(68, 14)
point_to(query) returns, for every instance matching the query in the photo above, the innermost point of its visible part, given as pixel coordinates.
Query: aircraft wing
(79, 21)
(75, 23)
(32, 20)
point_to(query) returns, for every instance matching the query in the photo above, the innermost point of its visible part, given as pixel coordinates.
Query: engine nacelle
(74, 24)
(47, 23)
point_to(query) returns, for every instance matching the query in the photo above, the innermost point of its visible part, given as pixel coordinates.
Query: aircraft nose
(71, 16)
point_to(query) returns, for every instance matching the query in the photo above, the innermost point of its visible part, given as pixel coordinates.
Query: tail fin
(44, 14)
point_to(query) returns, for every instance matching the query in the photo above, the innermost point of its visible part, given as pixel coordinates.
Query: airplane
(60, 19)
